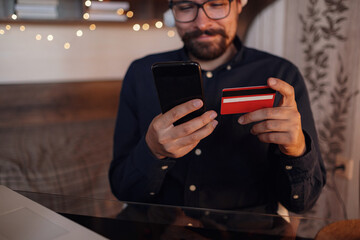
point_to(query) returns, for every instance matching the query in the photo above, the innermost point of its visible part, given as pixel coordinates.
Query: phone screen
(177, 83)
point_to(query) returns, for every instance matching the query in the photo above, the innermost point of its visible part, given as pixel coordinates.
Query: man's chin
(206, 50)
(206, 53)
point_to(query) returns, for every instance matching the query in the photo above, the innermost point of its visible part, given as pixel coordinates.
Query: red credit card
(246, 99)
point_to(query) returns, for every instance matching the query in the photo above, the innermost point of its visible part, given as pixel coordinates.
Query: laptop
(22, 218)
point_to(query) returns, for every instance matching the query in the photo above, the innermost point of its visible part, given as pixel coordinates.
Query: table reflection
(114, 219)
(188, 223)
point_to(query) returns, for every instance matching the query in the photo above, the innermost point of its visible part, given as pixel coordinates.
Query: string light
(145, 26)
(88, 3)
(120, 11)
(171, 33)
(130, 14)
(159, 24)
(50, 38)
(92, 27)
(136, 27)
(86, 16)
(67, 45)
(79, 33)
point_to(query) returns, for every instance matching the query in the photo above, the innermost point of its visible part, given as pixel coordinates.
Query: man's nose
(202, 21)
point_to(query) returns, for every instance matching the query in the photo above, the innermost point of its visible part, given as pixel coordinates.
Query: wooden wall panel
(57, 102)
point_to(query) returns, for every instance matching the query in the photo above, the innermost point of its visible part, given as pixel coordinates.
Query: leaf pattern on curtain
(322, 28)
(323, 25)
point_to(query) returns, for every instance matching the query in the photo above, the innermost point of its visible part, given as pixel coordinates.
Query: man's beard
(205, 50)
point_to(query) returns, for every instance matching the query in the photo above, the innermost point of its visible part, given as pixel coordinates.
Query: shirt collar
(240, 50)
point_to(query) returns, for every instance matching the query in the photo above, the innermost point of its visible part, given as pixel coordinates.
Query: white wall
(101, 54)
(268, 29)
(106, 52)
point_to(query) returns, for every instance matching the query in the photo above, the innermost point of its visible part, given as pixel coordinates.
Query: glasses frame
(198, 5)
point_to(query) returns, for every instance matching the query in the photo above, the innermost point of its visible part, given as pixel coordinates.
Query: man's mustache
(210, 32)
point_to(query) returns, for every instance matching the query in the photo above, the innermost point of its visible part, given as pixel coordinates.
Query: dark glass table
(124, 220)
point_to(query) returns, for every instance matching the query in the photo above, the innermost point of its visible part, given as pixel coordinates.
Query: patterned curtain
(323, 40)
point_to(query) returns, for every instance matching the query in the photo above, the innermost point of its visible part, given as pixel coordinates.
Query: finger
(193, 125)
(285, 89)
(279, 113)
(198, 135)
(280, 138)
(185, 145)
(271, 126)
(180, 111)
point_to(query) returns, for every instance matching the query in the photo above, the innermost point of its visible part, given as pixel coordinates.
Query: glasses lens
(214, 9)
(184, 11)
(217, 9)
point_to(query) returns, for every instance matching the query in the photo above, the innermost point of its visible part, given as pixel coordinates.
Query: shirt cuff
(154, 169)
(298, 168)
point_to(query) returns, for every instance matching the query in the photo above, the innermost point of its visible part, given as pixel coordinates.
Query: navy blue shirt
(230, 169)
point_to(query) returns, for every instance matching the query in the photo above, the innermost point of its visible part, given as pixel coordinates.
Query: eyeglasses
(187, 11)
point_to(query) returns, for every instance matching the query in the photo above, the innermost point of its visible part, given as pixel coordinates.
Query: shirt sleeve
(135, 174)
(299, 181)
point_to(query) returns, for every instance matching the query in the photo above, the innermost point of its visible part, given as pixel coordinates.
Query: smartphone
(177, 83)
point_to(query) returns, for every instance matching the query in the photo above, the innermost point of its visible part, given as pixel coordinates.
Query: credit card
(246, 99)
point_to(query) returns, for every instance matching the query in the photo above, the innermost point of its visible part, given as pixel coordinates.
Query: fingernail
(214, 123)
(197, 103)
(213, 115)
(241, 120)
(272, 81)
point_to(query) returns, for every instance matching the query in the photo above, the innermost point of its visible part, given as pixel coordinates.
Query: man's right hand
(166, 140)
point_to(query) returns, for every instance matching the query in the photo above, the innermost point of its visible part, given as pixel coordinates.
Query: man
(250, 161)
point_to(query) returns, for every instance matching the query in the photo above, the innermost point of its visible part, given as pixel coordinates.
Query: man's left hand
(280, 125)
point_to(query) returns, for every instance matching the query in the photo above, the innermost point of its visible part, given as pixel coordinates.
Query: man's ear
(239, 6)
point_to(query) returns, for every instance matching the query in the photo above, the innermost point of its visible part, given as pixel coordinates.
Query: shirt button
(192, 188)
(209, 74)
(296, 197)
(288, 167)
(228, 67)
(152, 193)
(164, 167)
(198, 152)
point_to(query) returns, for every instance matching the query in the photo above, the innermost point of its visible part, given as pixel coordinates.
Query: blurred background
(62, 63)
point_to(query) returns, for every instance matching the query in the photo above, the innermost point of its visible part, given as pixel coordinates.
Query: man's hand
(280, 125)
(166, 140)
